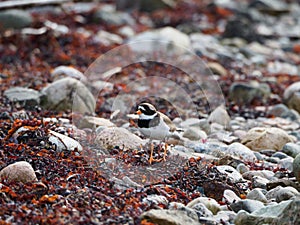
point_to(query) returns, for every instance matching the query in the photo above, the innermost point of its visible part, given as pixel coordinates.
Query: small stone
(257, 194)
(14, 19)
(296, 167)
(242, 168)
(107, 39)
(230, 173)
(245, 93)
(259, 138)
(202, 211)
(280, 155)
(110, 16)
(230, 197)
(291, 96)
(67, 71)
(194, 134)
(209, 203)
(219, 116)
(24, 96)
(291, 149)
(281, 193)
(259, 182)
(242, 27)
(111, 137)
(248, 205)
(68, 94)
(19, 172)
(286, 163)
(217, 68)
(156, 200)
(267, 215)
(241, 151)
(281, 110)
(261, 173)
(63, 142)
(156, 40)
(171, 217)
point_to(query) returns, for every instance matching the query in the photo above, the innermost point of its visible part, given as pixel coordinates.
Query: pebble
(259, 138)
(245, 93)
(242, 168)
(230, 197)
(194, 134)
(265, 215)
(291, 96)
(248, 205)
(281, 110)
(281, 193)
(20, 171)
(170, 216)
(159, 39)
(241, 151)
(296, 167)
(111, 137)
(219, 116)
(286, 163)
(67, 71)
(201, 210)
(27, 97)
(63, 142)
(257, 194)
(291, 149)
(156, 200)
(230, 172)
(59, 96)
(109, 16)
(15, 19)
(209, 203)
(261, 173)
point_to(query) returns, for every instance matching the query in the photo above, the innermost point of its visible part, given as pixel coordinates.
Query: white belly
(157, 133)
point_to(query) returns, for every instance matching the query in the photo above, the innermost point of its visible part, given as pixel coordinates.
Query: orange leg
(165, 151)
(151, 153)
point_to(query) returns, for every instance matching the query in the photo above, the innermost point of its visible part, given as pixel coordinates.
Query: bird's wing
(168, 122)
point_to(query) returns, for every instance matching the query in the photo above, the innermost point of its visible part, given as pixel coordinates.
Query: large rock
(24, 96)
(20, 172)
(68, 94)
(14, 19)
(291, 96)
(171, 217)
(245, 93)
(286, 212)
(260, 138)
(167, 38)
(111, 137)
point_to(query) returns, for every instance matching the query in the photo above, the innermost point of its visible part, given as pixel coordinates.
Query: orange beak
(139, 112)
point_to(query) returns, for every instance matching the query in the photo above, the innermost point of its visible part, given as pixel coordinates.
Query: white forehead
(141, 108)
(144, 107)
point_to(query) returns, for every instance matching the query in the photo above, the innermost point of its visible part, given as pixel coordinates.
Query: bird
(154, 125)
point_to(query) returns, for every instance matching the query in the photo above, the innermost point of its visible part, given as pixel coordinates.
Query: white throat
(147, 117)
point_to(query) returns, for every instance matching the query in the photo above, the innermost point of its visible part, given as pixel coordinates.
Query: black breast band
(149, 123)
